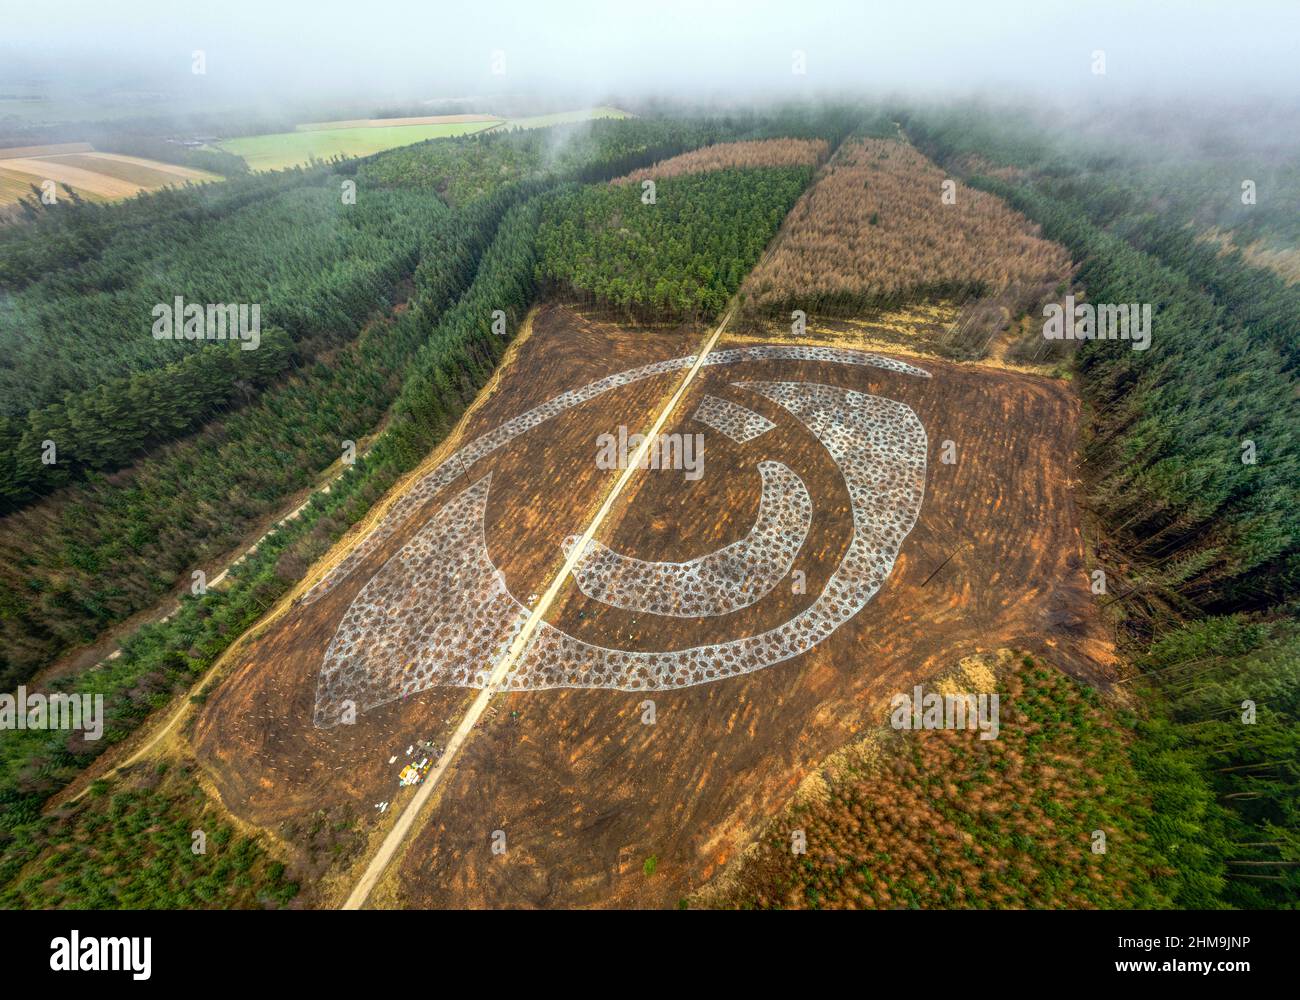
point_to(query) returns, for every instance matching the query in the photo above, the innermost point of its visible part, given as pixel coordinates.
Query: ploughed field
(93, 175)
(759, 605)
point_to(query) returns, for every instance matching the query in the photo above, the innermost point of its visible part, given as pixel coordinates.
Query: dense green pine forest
(1202, 548)
(681, 257)
(79, 364)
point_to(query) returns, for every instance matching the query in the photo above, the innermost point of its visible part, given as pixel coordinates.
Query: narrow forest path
(397, 836)
(407, 821)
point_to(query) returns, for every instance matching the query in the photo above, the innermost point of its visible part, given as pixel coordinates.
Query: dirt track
(586, 792)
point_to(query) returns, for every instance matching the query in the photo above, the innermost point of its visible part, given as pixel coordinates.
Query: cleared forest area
(742, 155)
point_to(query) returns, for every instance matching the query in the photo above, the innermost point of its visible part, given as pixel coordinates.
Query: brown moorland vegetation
(873, 231)
(735, 155)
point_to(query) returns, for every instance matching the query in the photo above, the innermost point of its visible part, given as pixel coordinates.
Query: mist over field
(578, 51)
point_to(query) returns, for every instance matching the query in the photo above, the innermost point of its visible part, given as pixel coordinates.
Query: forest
(149, 831)
(948, 821)
(1199, 530)
(681, 257)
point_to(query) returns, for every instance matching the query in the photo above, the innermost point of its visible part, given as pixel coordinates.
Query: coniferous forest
(1191, 461)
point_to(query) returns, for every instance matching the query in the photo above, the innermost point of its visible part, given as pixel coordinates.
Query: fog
(281, 54)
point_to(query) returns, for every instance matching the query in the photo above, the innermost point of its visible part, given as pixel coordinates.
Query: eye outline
(578, 663)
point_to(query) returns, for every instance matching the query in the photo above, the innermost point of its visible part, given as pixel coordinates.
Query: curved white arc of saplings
(802, 352)
(737, 422)
(885, 491)
(460, 461)
(434, 613)
(725, 580)
(395, 640)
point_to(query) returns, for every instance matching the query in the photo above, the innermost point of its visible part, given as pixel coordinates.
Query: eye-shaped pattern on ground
(394, 641)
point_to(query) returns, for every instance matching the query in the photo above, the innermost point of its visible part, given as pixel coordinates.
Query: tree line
(681, 256)
(1191, 460)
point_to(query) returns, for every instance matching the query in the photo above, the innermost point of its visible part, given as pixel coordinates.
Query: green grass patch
(288, 149)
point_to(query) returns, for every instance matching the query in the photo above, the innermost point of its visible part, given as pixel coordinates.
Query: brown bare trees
(743, 155)
(883, 226)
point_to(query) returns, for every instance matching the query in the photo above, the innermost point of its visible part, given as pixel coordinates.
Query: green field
(287, 149)
(565, 117)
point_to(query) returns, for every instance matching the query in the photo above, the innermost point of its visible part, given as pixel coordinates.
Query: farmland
(290, 149)
(93, 176)
(364, 137)
(396, 122)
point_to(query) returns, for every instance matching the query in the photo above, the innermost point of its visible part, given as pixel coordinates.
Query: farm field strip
(277, 150)
(78, 178)
(94, 175)
(134, 169)
(50, 149)
(395, 122)
(364, 136)
(14, 185)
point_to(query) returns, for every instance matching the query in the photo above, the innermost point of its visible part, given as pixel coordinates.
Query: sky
(285, 50)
